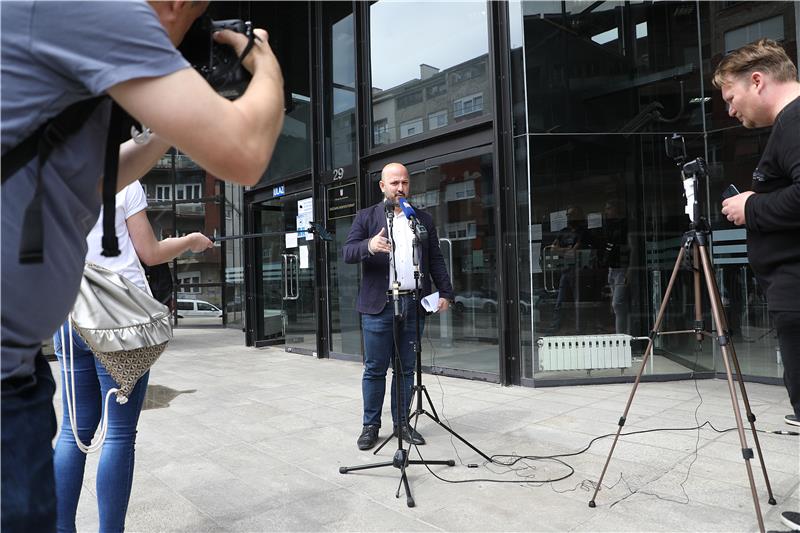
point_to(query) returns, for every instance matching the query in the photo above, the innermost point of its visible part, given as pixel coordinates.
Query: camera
(691, 173)
(223, 69)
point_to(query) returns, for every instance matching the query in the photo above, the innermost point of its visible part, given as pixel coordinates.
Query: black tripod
(401, 458)
(694, 246)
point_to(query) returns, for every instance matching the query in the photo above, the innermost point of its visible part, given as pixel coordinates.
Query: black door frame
(297, 184)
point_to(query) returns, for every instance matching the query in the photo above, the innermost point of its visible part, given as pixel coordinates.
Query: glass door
(284, 273)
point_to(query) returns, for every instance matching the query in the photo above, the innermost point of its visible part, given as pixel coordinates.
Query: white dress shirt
(403, 257)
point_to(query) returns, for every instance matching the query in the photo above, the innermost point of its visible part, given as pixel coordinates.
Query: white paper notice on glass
(536, 232)
(431, 302)
(594, 220)
(304, 257)
(291, 240)
(558, 220)
(305, 213)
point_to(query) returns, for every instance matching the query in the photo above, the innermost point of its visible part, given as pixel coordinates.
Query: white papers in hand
(431, 302)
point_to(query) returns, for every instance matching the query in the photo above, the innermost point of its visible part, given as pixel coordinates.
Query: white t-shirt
(130, 201)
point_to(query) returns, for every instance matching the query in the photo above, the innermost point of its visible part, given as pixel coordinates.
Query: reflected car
(486, 301)
(476, 300)
(197, 308)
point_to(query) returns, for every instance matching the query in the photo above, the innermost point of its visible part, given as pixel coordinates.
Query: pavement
(242, 439)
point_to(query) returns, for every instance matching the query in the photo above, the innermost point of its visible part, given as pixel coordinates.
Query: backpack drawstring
(69, 393)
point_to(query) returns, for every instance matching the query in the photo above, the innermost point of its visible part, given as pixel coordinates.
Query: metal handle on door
(547, 264)
(292, 277)
(285, 276)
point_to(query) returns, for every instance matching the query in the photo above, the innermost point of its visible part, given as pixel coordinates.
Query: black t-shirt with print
(773, 214)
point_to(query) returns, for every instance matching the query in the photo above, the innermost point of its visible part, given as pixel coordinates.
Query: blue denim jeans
(115, 468)
(378, 351)
(28, 428)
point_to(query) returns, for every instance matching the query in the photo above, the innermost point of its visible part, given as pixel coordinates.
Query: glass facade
(599, 85)
(534, 135)
(429, 67)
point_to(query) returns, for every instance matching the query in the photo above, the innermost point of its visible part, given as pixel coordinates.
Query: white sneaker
(790, 518)
(791, 420)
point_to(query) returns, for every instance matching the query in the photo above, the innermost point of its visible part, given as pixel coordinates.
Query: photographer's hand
(733, 207)
(260, 56)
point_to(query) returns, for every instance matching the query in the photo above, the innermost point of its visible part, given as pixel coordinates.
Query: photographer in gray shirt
(55, 54)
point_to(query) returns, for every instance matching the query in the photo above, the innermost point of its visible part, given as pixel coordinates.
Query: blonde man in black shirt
(759, 84)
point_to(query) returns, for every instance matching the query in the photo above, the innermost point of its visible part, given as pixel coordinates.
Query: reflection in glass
(288, 27)
(340, 84)
(613, 67)
(427, 72)
(458, 195)
(630, 73)
(343, 285)
(234, 255)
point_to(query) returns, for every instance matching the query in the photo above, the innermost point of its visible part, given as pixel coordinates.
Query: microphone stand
(421, 233)
(400, 459)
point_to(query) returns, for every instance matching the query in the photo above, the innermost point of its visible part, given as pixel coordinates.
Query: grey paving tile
(252, 440)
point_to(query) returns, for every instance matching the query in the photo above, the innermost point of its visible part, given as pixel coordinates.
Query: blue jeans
(28, 428)
(115, 468)
(378, 352)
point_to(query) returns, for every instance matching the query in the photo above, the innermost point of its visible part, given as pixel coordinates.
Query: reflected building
(509, 117)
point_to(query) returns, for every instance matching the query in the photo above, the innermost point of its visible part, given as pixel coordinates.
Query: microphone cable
(511, 460)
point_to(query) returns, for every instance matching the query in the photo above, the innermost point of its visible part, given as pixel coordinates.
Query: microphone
(406, 208)
(388, 206)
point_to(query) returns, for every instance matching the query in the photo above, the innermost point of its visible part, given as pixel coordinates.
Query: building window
(771, 28)
(188, 278)
(470, 72)
(426, 199)
(412, 127)
(436, 90)
(450, 44)
(188, 191)
(437, 120)
(409, 99)
(461, 190)
(163, 193)
(381, 131)
(459, 231)
(469, 104)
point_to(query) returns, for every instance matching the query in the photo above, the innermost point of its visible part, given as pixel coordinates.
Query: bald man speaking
(370, 244)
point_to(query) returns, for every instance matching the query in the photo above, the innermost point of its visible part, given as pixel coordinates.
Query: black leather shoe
(368, 438)
(410, 435)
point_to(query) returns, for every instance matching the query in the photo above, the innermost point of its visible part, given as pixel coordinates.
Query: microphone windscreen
(406, 207)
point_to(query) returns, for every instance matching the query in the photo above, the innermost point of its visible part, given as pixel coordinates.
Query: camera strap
(222, 77)
(41, 143)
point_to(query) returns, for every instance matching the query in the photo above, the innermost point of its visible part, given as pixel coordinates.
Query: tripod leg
(647, 354)
(724, 345)
(698, 297)
(748, 411)
(404, 483)
(716, 312)
(435, 415)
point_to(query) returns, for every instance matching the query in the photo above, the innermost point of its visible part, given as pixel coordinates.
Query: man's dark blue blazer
(375, 274)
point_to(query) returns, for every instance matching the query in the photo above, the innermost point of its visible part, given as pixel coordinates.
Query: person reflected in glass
(566, 246)
(616, 255)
